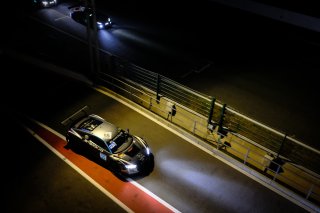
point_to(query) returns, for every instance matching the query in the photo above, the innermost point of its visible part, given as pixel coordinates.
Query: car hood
(135, 151)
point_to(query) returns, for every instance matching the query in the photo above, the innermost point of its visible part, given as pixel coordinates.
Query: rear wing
(75, 116)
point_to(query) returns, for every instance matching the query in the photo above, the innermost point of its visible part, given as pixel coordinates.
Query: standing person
(171, 109)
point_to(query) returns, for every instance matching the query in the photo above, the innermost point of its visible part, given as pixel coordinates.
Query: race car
(45, 3)
(84, 15)
(127, 154)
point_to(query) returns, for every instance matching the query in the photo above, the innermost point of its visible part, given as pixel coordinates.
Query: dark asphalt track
(36, 180)
(251, 101)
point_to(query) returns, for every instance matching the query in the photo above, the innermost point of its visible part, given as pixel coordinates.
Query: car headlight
(148, 151)
(100, 25)
(131, 168)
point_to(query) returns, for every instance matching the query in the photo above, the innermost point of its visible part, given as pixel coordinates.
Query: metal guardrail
(252, 141)
(249, 140)
(305, 184)
(273, 140)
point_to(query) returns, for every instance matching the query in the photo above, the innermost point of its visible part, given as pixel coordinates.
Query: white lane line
(153, 196)
(63, 17)
(92, 181)
(277, 188)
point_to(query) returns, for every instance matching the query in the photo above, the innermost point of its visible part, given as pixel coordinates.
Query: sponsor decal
(103, 156)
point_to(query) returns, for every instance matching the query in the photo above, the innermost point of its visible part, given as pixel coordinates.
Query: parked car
(45, 3)
(83, 14)
(127, 154)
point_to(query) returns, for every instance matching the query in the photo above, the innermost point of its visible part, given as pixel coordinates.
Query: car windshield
(89, 124)
(120, 142)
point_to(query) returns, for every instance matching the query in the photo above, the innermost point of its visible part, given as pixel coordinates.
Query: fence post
(223, 109)
(211, 110)
(158, 88)
(246, 157)
(150, 103)
(194, 127)
(221, 129)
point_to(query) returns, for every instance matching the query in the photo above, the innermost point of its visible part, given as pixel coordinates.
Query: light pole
(93, 43)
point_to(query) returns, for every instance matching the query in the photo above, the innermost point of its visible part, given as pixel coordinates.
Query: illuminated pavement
(39, 181)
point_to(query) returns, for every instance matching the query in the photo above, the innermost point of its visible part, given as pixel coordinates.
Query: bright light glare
(131, 166)
(127, 34)
(213, 183)
(100, 25)
(148, 151)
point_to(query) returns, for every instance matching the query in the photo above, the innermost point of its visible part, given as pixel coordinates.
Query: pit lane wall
(281, 159)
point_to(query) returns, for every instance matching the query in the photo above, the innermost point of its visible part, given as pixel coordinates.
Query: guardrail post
(150, 103)
(194, 127)
(158, 88)
(221, 130)
(246, 157)
(210, 114)
(222, 115)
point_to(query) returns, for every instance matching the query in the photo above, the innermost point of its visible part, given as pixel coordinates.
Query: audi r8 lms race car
(45, 3)
(82, 14)
(126, 153)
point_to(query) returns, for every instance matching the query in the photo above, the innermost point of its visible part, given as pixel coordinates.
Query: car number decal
(112, 144)
(107, 135)
(103, 156)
